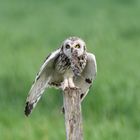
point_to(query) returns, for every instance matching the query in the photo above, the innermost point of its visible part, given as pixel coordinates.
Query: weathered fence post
(73, 115)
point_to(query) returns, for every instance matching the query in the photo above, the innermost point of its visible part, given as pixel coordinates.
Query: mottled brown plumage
(70, 66)
(78, 63)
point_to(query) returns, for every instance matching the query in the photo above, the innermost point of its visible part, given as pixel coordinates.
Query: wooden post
(73, 115)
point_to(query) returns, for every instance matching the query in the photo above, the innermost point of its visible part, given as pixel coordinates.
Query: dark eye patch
(78, 46)
(67, 46)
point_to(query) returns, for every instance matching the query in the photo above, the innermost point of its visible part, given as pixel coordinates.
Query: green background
(31, 29)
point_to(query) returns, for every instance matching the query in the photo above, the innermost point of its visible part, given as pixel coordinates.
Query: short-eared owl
(70, 66)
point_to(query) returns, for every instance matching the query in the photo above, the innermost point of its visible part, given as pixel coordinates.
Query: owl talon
(66, 88)
(74, 88)
(71, 88)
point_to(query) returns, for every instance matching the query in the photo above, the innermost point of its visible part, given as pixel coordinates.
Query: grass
(30, 30)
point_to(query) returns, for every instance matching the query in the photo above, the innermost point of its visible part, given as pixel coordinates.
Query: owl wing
(88, 75)
(41, 81)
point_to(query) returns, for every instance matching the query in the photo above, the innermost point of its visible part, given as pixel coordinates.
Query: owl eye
(78, 46)
(67, 46)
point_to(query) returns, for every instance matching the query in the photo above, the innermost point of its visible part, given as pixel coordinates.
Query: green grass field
(30, 30)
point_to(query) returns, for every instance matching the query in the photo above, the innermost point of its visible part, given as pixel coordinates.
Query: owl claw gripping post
(71, 66)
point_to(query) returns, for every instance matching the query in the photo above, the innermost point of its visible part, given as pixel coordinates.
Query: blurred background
(30, 30)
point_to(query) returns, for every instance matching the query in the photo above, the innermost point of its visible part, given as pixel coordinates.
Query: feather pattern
(68, 67)
(62, 63)
(87, 76)
(41, 82)
(78, 63)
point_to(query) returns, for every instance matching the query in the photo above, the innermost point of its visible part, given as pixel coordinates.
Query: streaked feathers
(66, 67)
(41, 82)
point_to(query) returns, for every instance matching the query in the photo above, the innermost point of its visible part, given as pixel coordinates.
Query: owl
(69, 67)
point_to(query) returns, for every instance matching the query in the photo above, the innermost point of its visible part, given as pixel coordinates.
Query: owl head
(73, 45)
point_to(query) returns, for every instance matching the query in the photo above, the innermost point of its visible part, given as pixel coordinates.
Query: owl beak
(71, 50)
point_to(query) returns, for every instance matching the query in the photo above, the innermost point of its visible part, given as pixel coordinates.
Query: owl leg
(68, 83)
(71, 83)
(65, 84)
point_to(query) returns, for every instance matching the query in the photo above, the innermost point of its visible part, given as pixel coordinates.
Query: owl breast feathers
(71, 66)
